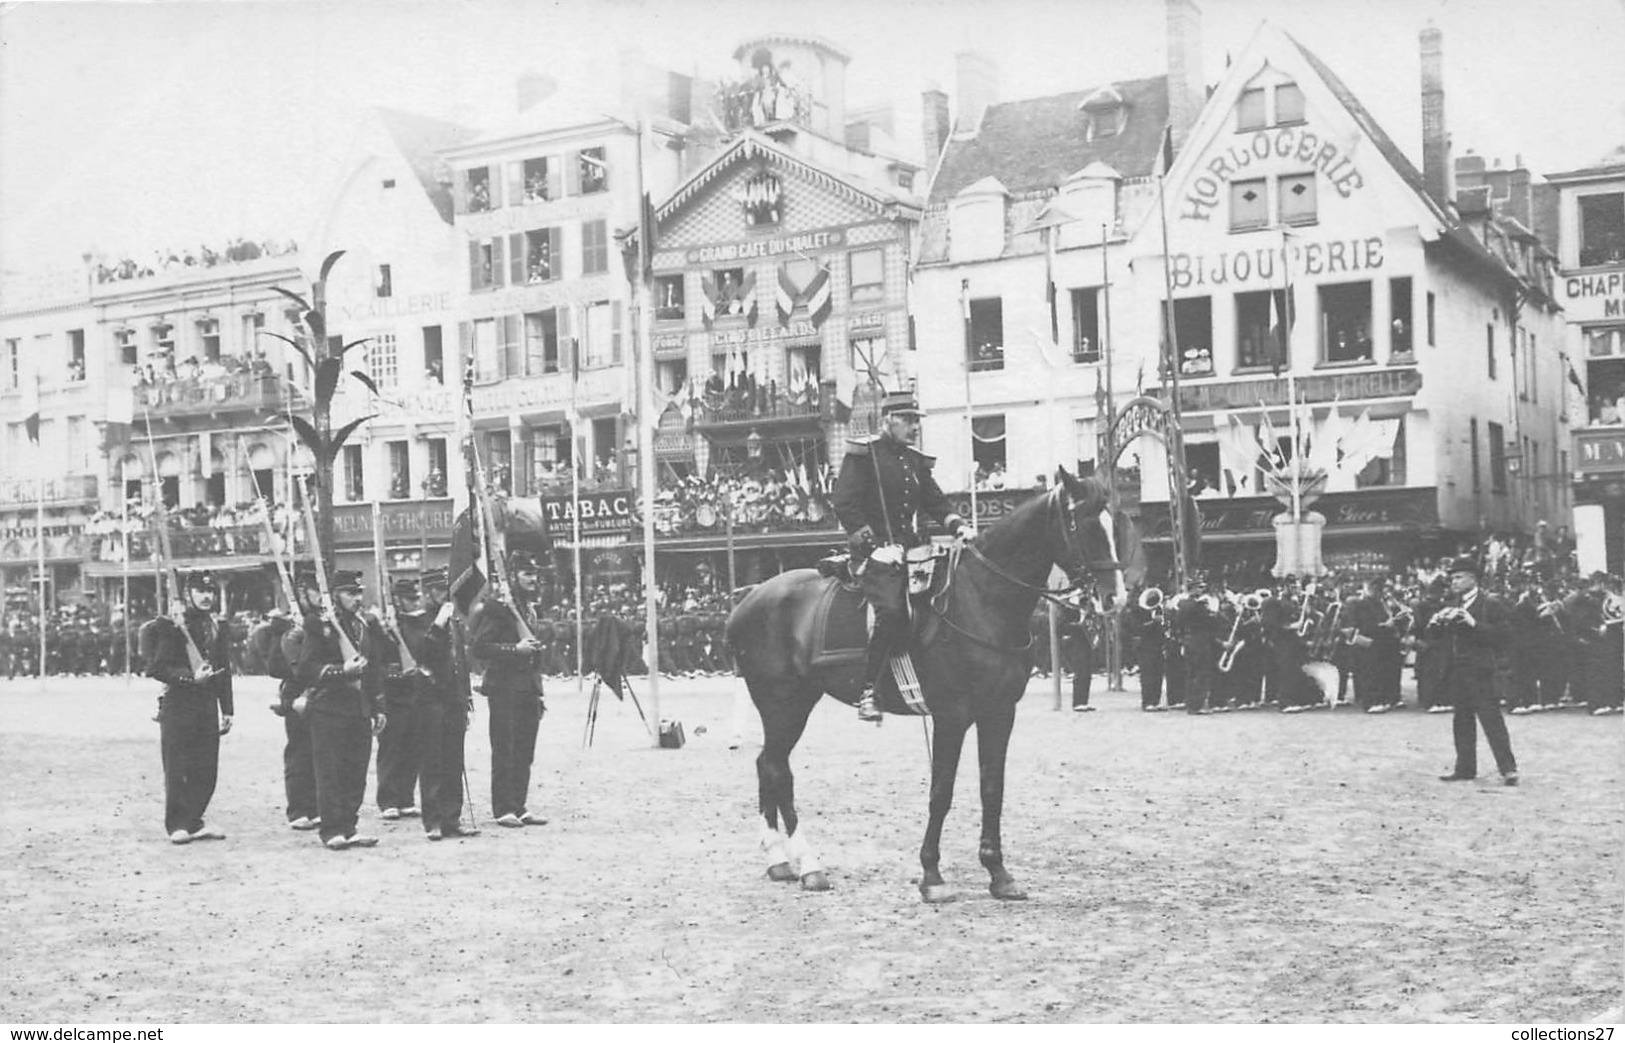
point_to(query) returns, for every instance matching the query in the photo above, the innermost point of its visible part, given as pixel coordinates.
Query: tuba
(1250, 605)
(1613, 611)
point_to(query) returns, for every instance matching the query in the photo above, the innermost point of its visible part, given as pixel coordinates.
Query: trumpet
(1549, 610)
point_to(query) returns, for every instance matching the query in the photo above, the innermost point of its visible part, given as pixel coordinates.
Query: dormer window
(1104, 114)
(1271, 105)
(976, 221)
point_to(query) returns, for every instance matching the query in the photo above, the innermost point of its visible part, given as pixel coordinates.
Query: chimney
(1435, 138)
(933, 124)
(1187, 90)
(978, 89)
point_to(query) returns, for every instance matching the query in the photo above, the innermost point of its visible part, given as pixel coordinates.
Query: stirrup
(869, 707)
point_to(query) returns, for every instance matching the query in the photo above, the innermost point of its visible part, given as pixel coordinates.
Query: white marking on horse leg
(773, 843)
(801, 852)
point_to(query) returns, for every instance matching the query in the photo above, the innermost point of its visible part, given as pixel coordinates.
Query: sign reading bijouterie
(1265, 265)
(352, 522)
(1387, 509)
(1599, 451)
(605, 513)
(1326, 387)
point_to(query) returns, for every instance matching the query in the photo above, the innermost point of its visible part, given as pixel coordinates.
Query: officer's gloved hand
(890, 554)
(860, 542)
(966, 535)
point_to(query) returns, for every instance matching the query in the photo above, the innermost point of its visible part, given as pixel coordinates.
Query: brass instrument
(1250, 604)
(1613, 611)
(1151, 600)
(1397, 611)
(1305, 623)
(1326, 633)
(1549, 610)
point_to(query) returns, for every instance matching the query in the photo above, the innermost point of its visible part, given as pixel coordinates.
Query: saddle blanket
(841, 627)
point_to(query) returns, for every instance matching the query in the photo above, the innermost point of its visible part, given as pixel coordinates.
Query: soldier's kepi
(883, 495)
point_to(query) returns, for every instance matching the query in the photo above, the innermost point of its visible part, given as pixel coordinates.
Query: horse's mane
(1096, 494)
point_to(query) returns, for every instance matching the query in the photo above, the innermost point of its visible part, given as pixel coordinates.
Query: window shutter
(554, 189)
(516, 183)
(517, 258)
(493, 177)
(474, 280)
(555, 253)
(465, 347)
(572, 173)
(459, 192)
(615, 333)
(566, 340)
(511, 362)
(497, 272)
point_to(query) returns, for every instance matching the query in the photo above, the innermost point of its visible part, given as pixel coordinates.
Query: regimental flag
(1574, 378)
(647, 228)
(785, 296)
(819, 297)
(708, 299)
(746, 296)
(467, 578)
(1283, 313)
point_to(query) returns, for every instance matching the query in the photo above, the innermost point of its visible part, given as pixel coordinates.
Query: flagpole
(643, 289)
(1174, 443)
(1291, 381)
(576, 463)
(970, 427)
(124, 526)
(39, 524)
(1114, 647)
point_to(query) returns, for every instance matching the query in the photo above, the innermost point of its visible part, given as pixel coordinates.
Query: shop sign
(866, 320)
(414, 520)
(402, 307)
(769, 246)
(800, 329)
(671, 342)
(1595, 295)
(1599, 452)
(1394, 509)
(602, 514)
(552, 390)
(1299, 144)
(991, 505)
(1258, 265)
(1326, 387)
(422, 404)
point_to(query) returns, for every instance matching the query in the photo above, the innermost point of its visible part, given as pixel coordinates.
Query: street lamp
(753, 444)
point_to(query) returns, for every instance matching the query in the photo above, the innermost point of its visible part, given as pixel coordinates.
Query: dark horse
(973, 670)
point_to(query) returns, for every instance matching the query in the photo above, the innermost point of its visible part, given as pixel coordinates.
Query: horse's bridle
(1060, 497)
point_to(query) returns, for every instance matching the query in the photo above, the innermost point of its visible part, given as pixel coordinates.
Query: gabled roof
(420, 140)
(1033, 144)
(988, 186)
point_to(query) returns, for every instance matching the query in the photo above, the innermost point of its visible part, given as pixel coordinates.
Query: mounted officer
(884, 490)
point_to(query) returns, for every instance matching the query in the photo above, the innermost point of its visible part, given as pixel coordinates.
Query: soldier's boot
(869, 706)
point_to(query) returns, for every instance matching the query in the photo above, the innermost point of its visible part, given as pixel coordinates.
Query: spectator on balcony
(76, 369)
(434, 373)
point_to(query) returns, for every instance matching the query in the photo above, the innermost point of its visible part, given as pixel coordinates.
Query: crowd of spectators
(234, 252)
(772, 501)
(203, 530)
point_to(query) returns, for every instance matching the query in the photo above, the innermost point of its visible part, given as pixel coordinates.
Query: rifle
(386, 603)
(330, 611)
(268, 533)
(495, 548)
(173, 590)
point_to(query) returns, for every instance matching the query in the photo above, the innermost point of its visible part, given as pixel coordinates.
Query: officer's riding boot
(874, 663)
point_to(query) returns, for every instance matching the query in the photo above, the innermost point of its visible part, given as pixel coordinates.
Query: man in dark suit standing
(1470, 628)
(512, 689)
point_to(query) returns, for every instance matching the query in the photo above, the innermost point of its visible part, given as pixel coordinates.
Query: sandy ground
(1232, 868)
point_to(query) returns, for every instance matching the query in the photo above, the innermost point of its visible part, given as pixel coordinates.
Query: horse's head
(1091, 533)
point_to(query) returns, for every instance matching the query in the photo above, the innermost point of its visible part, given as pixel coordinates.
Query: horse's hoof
(781, 873)
(1008, 891)
(815, 881)
(937, 894)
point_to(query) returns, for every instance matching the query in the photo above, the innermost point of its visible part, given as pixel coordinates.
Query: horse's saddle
(843, 621)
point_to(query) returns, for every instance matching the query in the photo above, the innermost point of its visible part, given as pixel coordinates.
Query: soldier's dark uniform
(514, 700)
(278, 642)
(340, 712)
(444, 713)
(1554, 652)
(1199, 629)
(1147, 635)
(189, 712)
(883, 496)
(401, 746)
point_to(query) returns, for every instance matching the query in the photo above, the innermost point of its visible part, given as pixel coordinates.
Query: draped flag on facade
(785, 296)
(818, 297)
(708, 299)
(746, 296)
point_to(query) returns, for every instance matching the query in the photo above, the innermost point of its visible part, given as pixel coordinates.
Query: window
(1259, 330)
(604, 441)
(1399, 317)
(400, 471)
(1202, 468)
(485, 264)
(1388, 466)
(868, 276)
(434, 359)
(354, 485)
(1472, 439)
(1193, 329)
(669, 297)
(803, 366)
(594, 247)
(1250, 113)
(1086, 325)
(383, 285)
(1533, 383)
(541, 342)
(728, 282)
(1498, 457)
(670, 376)
(541, 179)
(128, 350)
(1432, 329)
(1088, 444)
(389, 183)
(1297, 199)
(78, 455)
(76, 354)
(602, 335)
(762, 196)
(548, 450)
(1345, 322)
(253, 322)
(1249, 204)
(208, 339)
(987, 335)
(498, 460)
(1602, 229)
(14, 372)
(988, 450)
(483, 344)
(383, 362)
(869, 357)
(593, 170)
(1288, 103)
(434, 483)
(478, 197)
(163, 340)
(536, 255)
(1489, 347)
(509, 346)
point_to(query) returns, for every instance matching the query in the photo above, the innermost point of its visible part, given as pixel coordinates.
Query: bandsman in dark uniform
(1197, 622)
(1144, 622)
(400, 747)
(884, 493)
(194, 711)
(345, 711)
(513, 691)
(1471, 626)
(1554, 649)
(445, 712)
(279, 641)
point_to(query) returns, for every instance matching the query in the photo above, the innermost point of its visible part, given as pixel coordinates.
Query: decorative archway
(1152, 416)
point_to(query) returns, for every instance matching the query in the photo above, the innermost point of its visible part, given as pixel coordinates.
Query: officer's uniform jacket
(163, 651)
(320, 667)
(493, 636)
(906, 486)
(416, 632)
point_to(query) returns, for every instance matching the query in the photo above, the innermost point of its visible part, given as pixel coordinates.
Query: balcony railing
(73, 488)
(758, 403)
(189, 542)
(248, 391)
(700, 507)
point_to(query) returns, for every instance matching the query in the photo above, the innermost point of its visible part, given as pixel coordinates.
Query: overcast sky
(126, 127)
